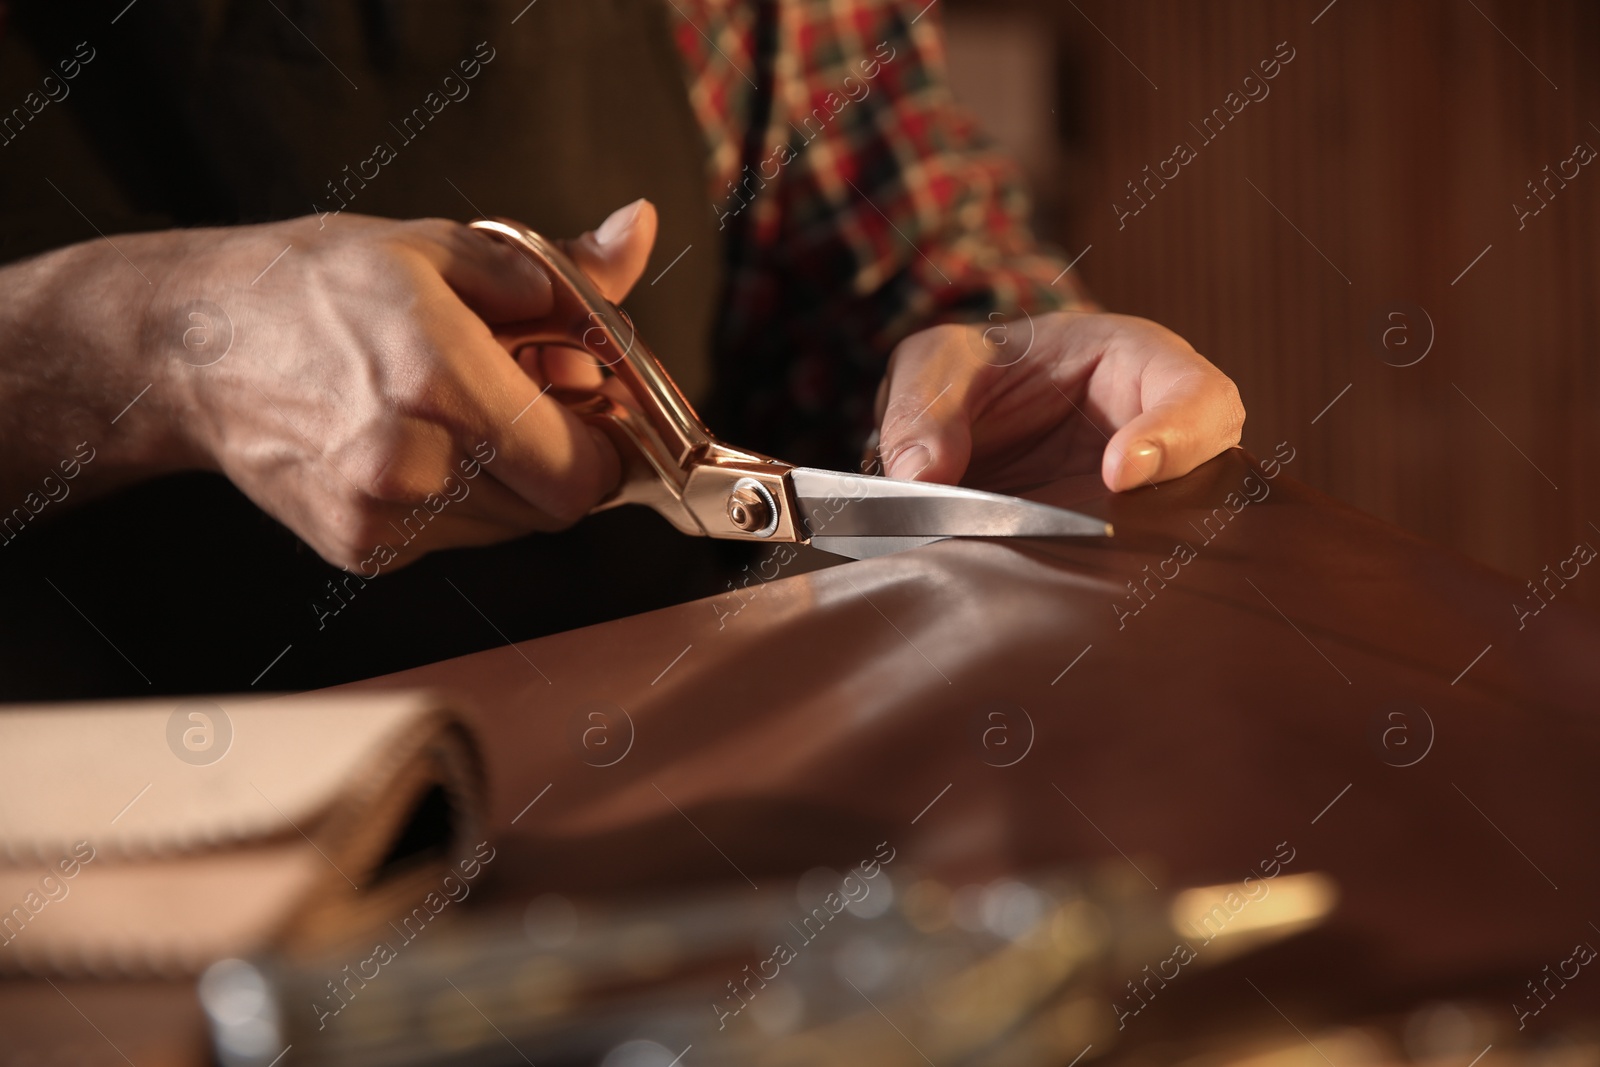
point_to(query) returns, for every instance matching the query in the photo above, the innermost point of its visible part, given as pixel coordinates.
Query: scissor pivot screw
(747, 510)
(751, 509)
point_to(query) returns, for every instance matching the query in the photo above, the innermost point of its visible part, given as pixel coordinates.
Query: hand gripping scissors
(705, 488)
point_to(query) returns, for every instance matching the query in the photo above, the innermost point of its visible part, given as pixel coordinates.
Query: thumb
(933, 448)
(1198, 416)
(925, 428)
(614, 256)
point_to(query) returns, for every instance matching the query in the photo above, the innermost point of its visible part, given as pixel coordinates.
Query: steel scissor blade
(862, 515)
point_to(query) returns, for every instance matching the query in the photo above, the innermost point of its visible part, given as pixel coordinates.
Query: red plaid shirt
(858, 205)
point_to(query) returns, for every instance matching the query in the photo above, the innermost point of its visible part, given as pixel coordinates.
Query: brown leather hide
(1310, 676)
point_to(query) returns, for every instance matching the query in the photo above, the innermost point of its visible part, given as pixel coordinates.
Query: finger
(553, 460)
(925, 419)
(541, 451)
(614, 256)
(365, 534)
(493, 277)
(426, 469)
(474, 492)
(408, 534)
(562, 368)
(1191, 412)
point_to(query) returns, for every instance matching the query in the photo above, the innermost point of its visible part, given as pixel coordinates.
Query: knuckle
(351, 540)
(405, 473)
(357, 263)
(440, 231)
(393, 483)
(1153, 333)
(423, 390)
(351, 558)
(1232, 406)
(446, 238)
(583, 493)
(586, 479)
(1235, 404)
(364, 533)
(379, 475)
(901, 415)
(390, 259)
(345, 557)
(921, 346)
(419, 387)
(565, 512)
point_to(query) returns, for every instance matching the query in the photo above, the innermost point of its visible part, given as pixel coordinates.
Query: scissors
(705, 488)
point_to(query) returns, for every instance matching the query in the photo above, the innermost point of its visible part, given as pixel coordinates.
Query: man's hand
(343, 384)
(1022, 402)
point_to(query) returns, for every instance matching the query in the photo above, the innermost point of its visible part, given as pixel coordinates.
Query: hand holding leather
(1021, 402)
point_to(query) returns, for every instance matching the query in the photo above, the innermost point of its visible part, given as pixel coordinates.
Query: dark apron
(204, 112)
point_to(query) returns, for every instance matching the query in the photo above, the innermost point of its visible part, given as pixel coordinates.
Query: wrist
(78, 372)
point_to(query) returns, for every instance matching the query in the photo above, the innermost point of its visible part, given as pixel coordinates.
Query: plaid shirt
(858, 205)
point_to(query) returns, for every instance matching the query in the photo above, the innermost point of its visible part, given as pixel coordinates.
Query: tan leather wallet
(155, 838)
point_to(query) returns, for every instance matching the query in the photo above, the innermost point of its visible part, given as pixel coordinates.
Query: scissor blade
(867, 515)
(869, 547)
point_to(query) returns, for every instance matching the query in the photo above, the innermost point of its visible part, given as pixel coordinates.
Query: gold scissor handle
(671, 462)
(648, 475)
(582, 318)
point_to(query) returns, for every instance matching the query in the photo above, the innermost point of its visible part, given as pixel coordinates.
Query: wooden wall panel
(1391, 149)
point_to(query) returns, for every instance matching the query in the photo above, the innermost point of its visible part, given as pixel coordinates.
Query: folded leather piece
(1247, 669)
(160, 837)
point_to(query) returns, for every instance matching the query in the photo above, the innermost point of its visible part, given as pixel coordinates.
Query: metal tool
(673, 464)
(1028, 968)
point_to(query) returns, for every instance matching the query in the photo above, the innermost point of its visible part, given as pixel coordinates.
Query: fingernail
(618, 223)
(909, 462)
(1145, 459)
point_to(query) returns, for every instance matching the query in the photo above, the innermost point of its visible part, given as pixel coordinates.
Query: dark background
(1396, 141)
